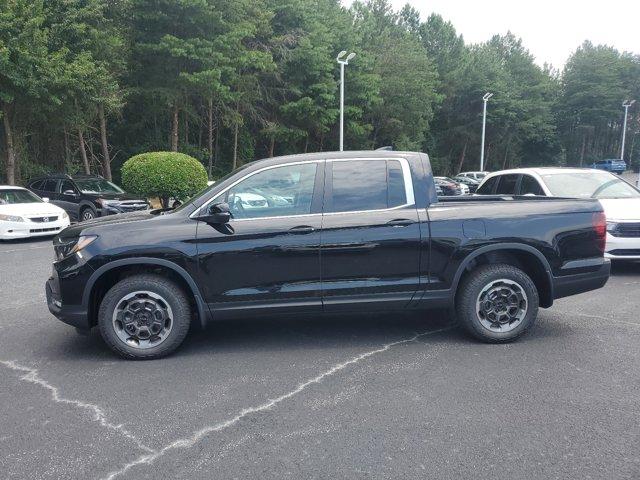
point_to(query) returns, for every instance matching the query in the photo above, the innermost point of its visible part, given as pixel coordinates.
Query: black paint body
(400, 258)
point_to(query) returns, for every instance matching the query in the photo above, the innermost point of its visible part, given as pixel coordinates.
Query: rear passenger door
(370, 243)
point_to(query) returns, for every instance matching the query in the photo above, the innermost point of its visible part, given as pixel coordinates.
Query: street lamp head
(341, 54)
(628, 103)
(350, 56)
(487, 96)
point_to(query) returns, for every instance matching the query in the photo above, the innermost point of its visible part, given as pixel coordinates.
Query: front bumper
(573, 284)
(28, 229)
(74, 315)
(622, 248)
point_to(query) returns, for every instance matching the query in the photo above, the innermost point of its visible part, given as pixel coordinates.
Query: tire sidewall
(171, 293)
(85, 211)
(467, 314)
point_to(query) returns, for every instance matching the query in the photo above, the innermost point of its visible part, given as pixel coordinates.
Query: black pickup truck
(325, 232)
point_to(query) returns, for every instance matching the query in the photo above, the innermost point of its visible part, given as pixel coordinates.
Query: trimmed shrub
(164, 175)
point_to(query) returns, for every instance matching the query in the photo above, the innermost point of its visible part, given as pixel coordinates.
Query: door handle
(302, 229)
(400, 222)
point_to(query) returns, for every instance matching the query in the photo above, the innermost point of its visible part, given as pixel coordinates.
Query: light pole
(626, 104)
(485, 99)
(342, 61)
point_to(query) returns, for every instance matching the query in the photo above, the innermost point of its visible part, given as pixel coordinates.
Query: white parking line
(31, 375)
(185, 443)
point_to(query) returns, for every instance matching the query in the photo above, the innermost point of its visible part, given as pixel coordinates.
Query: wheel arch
(103, 278)
(525, 257)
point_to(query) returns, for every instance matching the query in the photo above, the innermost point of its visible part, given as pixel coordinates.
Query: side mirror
(217, 214)
(45, 199)
(69, 192)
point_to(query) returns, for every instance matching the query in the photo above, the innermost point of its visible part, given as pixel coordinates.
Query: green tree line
(86, 84)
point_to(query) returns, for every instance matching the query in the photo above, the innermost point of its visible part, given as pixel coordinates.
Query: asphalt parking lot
(375, 397)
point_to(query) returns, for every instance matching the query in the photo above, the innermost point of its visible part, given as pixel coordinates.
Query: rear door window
(49, 185)
(507, 185)
(360, 185)
(530, 186)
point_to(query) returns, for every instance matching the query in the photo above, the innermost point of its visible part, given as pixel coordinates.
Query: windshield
(589, 185)
(9, 197)
(97, 185)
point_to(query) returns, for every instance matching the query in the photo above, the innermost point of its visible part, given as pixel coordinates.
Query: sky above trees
(551, 29)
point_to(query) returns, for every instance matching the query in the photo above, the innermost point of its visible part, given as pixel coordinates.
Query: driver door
(267, 258)
(67, 198)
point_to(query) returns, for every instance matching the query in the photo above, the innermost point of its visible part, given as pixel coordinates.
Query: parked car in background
(464, 188)
(620, 200)
(474, 175)
(23, 214)
(614, 165)
(471, 184)
(352, 239)
(85, 197)
(448, 187)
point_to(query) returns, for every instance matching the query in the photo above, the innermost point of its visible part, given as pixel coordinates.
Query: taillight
(599, 221)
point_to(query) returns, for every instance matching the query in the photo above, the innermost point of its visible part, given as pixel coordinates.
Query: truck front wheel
(144, 317)
(497, 303)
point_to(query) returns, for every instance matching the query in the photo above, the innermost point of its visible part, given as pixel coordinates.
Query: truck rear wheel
(497, 303)
(144, 317)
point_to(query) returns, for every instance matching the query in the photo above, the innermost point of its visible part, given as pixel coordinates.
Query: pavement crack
(31, 375)
(188, 442)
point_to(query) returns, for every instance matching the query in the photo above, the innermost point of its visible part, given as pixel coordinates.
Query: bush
(164, 175)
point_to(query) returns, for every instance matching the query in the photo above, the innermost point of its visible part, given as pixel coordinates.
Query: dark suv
(85, 197)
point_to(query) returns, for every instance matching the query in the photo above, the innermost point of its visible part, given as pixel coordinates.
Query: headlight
(65, 215)
(11, 218)
(612, 227)
(64, 250)
(108, 203)
(83, 242)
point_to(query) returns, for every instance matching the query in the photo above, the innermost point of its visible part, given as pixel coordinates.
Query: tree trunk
(462, 155)
(106, 159)
(584, 145)
(67, 154)
(83, 153)
(306, 144)
(235, 146)
(210, 134)
(216, 149)
(272, 146)
(186, 127)
(504, 160)
(486, 157)
(174, 128)
(11, 153)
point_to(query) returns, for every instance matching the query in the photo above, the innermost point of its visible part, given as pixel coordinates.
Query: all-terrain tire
(489, 278)
(160, 288)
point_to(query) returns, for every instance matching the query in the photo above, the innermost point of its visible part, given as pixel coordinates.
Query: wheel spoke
(142, 319)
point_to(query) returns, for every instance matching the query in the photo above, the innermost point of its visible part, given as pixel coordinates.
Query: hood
(40, 209)
(94, 226)
(114, 196)
(621, 208)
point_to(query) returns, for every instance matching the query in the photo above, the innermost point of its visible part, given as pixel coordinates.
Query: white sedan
(620, 200)
(23, 214)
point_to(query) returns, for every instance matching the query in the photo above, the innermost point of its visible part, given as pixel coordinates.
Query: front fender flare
(203, 310)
